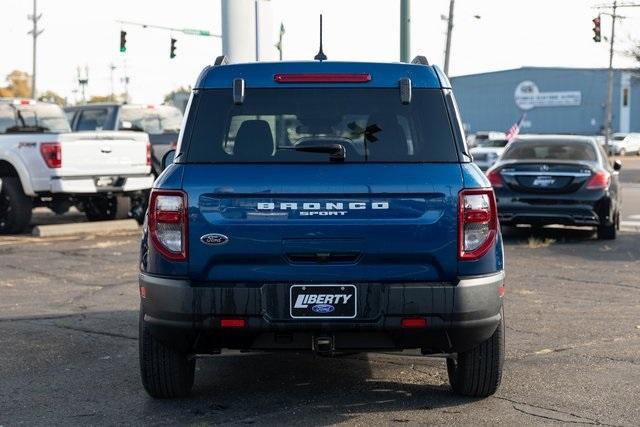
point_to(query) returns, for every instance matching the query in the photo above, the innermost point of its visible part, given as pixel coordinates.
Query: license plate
(105, 181)
(323, 301)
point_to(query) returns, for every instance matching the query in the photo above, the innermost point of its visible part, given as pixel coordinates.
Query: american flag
(514, 130)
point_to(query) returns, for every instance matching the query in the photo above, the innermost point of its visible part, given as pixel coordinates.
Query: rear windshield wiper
(336, 152)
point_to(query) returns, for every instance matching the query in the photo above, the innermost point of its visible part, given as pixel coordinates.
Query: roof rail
(420, 60)
(221, 60)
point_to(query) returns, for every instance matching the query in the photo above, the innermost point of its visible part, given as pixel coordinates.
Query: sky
(509, 34)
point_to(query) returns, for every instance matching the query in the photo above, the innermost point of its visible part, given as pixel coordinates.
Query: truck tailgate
(104, 153)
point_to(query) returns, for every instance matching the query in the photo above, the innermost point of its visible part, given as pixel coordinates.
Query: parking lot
(68, 342)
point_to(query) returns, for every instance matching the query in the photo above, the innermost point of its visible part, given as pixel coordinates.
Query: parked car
(161, 122)
(558, 179)
(327, 207)
(487, 152)
(622, 144)
(43, 164)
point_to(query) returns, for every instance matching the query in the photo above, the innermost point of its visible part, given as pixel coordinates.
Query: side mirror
(617, 165)
(167, 159)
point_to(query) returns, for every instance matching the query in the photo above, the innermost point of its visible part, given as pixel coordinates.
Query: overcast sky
(509, 34)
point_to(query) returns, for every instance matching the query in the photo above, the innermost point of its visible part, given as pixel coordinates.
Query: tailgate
(104, 153)
(323, 223)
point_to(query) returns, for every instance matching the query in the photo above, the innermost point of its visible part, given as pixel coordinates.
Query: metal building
(554, 100)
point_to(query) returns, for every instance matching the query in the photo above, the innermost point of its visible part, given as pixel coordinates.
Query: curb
(98, 227)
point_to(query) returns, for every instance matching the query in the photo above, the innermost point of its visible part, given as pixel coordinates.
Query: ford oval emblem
(214, 239)
(323, 308)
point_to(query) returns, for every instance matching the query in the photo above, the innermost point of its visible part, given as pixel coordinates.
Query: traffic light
(172, 52)
(123, 41)
(596, 29)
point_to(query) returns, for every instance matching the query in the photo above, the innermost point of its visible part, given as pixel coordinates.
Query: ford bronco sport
(322, 206)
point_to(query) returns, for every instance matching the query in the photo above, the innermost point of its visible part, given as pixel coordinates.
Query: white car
(488, 152)
(625, 143)
(43, 164)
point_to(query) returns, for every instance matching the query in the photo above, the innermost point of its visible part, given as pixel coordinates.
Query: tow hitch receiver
(323, 344)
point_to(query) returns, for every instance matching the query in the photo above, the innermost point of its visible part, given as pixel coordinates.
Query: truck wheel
(477, 372)
(15, 207)
(105, 208)
(165, 372)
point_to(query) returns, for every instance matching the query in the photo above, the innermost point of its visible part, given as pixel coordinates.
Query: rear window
(550, 150)
(274, 125)
(153, 120)
(493, 143)
(32, 118)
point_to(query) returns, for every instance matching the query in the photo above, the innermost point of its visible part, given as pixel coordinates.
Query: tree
(19, 85)
(51, 96)
(99, 98)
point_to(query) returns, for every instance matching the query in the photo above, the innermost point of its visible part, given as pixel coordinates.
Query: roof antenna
(320, 56)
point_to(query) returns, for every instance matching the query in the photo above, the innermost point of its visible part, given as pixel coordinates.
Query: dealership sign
(527, 96)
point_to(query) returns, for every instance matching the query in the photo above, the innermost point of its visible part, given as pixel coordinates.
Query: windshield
(153, 120)
(550, 150)
(32, 118)
(312, 125)
(494, 143)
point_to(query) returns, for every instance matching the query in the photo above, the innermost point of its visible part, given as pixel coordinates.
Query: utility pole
(279, 44)
(608, 113)
(34, 18)
(447, 49)
(405, 30)
(112, 68)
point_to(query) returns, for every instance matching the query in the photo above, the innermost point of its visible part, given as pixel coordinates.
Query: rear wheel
(609, 231)
(105, 208)
(15, 206)
(165, 371)
(477, 372)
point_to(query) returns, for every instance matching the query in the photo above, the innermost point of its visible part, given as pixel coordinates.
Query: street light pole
(35, 33)
(405, 30)
(447, 49)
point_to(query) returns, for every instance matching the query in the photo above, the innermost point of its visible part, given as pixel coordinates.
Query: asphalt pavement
(68, 347)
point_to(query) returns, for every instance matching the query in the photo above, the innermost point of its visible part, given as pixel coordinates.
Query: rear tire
(15, 207)
(478, 372)
(166, 372)
(607, 232)
(106, 208)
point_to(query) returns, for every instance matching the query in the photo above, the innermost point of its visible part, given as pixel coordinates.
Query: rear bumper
(513, 211)
(87, 184)
(459, 315)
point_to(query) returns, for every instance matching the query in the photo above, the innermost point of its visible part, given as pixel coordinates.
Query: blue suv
(322, 206)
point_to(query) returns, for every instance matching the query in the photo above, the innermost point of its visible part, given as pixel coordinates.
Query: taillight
(168, 223)
(477, 222)
(599, 181)
(148, 154)
(494, 178)
(52, 154)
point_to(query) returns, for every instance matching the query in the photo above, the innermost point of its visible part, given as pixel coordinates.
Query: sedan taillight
(494, 178)
(477, 222)
(52, 154)
(599, 181)
(168, 223)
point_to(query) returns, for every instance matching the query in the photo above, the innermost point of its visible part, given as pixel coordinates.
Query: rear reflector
(414, 323)
(143, 292)
(322, 78)
(501, 291)
(148, 154)
(52, 154)
(232, 323)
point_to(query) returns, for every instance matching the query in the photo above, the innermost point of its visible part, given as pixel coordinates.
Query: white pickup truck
(104, 174)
